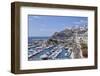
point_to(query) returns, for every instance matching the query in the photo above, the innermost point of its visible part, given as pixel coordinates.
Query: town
(70, 43)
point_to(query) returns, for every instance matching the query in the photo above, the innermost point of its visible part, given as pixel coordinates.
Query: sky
(43, 26)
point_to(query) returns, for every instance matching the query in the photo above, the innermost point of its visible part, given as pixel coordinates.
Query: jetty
(35, 52)
(56, 53)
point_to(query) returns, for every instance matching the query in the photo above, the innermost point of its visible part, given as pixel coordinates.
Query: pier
(35, 52)
(52, 52)
(55, 54)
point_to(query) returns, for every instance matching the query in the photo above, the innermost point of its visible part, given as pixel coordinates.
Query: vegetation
(83, 46)
(52, 41)
(84, 50)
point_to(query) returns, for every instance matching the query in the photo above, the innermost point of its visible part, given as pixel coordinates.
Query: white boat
(49, 47)
(44, 56)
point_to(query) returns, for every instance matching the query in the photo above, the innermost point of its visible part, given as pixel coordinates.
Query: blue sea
(30, 39)
(47, 51)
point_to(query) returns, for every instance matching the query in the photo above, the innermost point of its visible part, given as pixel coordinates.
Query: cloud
(81, 22)
(37, 17)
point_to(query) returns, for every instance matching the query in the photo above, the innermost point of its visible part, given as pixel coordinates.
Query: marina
(52, 52)
(57, 37)
(43, 49)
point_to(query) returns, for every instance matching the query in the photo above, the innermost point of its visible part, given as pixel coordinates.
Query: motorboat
(44, 57)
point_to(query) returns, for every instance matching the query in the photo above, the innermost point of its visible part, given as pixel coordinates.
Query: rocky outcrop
(67, 33)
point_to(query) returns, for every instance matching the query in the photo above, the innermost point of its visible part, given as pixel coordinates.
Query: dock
(34, 53)
(56, 53)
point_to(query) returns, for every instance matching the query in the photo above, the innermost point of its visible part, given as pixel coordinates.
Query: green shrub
(83, 46)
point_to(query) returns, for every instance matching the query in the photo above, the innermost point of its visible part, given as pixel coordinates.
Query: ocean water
(30, 39)
(47, 51)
